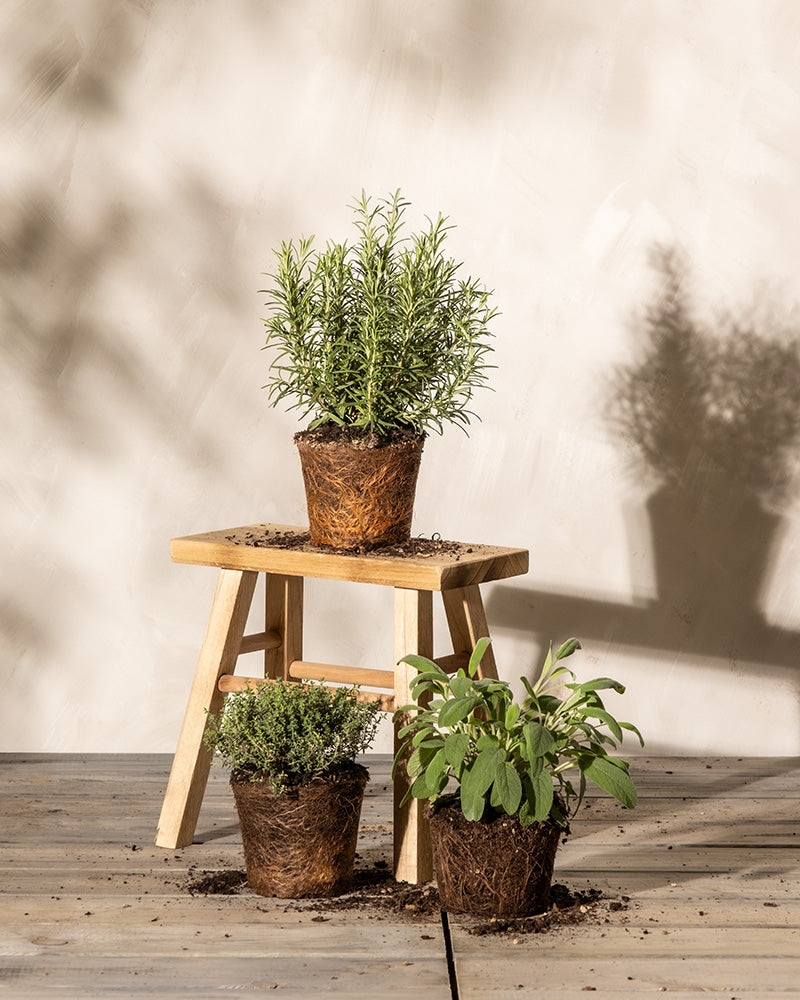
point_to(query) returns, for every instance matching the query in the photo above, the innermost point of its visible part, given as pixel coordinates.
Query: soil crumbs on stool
(376, 893)
(414, 548)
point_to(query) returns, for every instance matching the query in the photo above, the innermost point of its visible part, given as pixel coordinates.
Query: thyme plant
(379, 334)
(291, 731)
(511, 757)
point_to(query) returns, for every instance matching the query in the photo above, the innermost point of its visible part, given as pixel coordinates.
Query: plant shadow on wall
(710, 415)
(114, 287)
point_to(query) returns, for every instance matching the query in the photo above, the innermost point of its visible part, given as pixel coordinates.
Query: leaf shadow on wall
(115, 285)
(709, 414)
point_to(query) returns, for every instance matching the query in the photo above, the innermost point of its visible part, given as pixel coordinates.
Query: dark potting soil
(281, 863)
(224, 883)
(357, 437)
(376, 894)
(414, 548)
(516, 861)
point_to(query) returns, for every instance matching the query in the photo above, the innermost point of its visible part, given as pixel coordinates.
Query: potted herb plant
(291, 748)
(379, 341)
(513, 766)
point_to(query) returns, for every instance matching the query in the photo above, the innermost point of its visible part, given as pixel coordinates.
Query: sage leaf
(422, 663)
(477, 655)
(512, 714)
(456, 748)
(460, 686)
(479, 777)
(507, 790)
(606, 717)
(538, 740)
(598, 684)
(611, 778)
(414, 764)
(473, 805)
(456, 710)
(631, 728)
(568, 648)
(543, 795)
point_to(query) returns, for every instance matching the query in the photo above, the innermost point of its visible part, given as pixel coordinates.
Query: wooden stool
(241, 554)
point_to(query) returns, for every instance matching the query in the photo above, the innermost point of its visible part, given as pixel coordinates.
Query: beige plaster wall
(153, 153)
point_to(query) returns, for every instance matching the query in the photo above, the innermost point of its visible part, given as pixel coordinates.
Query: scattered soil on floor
(376, 894)
(416, 548)
(567, 907)
(224, 883)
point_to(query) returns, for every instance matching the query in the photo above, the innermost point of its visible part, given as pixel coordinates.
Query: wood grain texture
(341, 674)
(466, 619)
(227, 549)
(413, 633)
(218, 655)
(235, 682)
(260, 640)
(283, 613)
(282, 641)
(89, 907)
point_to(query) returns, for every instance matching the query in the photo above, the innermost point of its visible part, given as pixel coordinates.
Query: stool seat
(280, 548)
(284, 555)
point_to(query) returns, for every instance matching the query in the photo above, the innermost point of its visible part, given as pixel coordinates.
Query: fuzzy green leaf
(631, 728)
(460, 686)
(414, 764)
(473, 805)
(436, 768)
(479, 777)
(477, 655)
(567, 649)
(431, 779)
(419, 788)
(538, 740)
(457, 710)
(507, 788)
(611, 777)
(598, 684)
(542, 784)
(423, 664)
(605, 717)
(456, 748)
(512, 714)
(419, 760)
(537, 798)
(426, 737)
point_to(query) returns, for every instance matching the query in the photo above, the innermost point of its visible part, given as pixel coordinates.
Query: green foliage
(290, 730)
(509, 757)
(378, 334)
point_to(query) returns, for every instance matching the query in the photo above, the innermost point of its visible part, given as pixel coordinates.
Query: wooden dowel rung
(260, 640)
(342, 675)
(233, 682)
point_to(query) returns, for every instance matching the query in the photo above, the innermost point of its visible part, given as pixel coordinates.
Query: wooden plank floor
(89, 907)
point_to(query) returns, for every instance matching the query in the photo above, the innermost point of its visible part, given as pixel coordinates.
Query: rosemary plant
(379, 334)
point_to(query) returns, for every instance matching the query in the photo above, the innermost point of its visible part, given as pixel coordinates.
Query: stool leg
(284, 614)
(413, 633)
(466, 619)
(192, 761)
